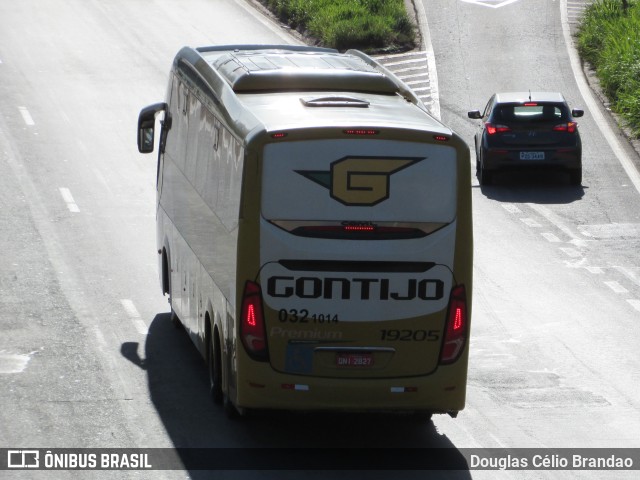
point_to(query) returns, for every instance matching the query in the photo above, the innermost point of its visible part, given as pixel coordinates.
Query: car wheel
(477, 158)
(485, 177)
(575, 177)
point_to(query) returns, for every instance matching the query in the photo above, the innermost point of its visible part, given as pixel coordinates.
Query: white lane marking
(611, 230)
(530, 222)
(634, 303)
(14, 363)
(491, 3)
(629, 274)
(596, 270)
(616, 287)
(550, 237)
(100, 337)
(554, 219)
(592, 105)
(68, 199)
(509, 207)
(412, 62)
(576, 263)
(26, 116)
(572, 252)
(421, 15)
(134, 315)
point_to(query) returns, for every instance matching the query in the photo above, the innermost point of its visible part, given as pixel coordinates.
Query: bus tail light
(252, 325)
(456, 328)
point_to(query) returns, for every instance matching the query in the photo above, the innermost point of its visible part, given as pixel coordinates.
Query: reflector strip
(295, 386)
(404, 389)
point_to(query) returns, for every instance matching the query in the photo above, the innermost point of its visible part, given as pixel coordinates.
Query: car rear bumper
(509, 159)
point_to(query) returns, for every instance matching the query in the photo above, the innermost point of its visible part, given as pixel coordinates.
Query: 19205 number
(393, 335)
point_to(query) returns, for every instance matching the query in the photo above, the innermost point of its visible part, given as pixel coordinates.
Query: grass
(368, 25)
(609, 39)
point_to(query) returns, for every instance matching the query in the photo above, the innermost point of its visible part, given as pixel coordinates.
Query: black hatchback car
(523, 130)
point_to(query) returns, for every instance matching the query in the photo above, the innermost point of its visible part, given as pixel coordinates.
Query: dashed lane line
(572, 252)
(550, 237)
(634, 303)
(530, 222)
(616, 287)
(629, 274)
(68, 199)
(511, 208)
(134, 316)
(595, 270)
(26, 116)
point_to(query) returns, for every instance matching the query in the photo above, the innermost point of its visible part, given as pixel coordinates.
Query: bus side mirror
(576, 112)
(147, 124)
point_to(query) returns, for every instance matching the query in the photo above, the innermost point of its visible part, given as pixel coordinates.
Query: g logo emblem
(360, 181)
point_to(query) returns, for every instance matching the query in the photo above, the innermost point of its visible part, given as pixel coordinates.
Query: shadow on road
(533, 187)
(179, 388)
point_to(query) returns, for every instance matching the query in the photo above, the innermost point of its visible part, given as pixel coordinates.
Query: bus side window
(177, 137)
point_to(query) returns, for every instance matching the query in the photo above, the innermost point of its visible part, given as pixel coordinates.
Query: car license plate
(531, 155)
(354, 360)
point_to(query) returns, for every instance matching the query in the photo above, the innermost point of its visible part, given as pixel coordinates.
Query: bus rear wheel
(214, 358)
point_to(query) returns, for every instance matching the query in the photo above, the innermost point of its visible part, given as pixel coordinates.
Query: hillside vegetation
(368, 25)
(609, 39)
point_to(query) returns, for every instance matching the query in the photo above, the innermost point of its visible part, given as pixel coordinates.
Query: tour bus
(314, 231)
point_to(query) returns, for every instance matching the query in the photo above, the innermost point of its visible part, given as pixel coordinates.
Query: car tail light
(569, 127)
(455, 333)
(252, 325)
(493, 129)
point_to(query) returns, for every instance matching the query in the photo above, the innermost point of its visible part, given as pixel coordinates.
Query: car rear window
(531, 113)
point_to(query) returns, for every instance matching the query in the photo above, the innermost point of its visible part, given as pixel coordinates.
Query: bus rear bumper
(443, 391)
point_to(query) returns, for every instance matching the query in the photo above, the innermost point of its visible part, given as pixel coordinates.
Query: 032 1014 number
(303, 316)
(394, 335)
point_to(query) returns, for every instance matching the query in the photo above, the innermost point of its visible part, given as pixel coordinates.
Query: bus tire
(175, 320)
(214, 359)
(230, 409)
(422, 417)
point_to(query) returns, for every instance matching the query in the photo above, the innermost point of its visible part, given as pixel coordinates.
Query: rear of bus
(358, 241)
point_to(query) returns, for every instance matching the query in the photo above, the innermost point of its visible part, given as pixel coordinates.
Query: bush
(609, 39)
(369, 25)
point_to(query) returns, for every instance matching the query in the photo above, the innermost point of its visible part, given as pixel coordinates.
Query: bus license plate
(354, 360)
(531, 155)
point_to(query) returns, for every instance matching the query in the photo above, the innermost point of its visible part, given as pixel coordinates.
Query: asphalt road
(557, 271)
(88, 356)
